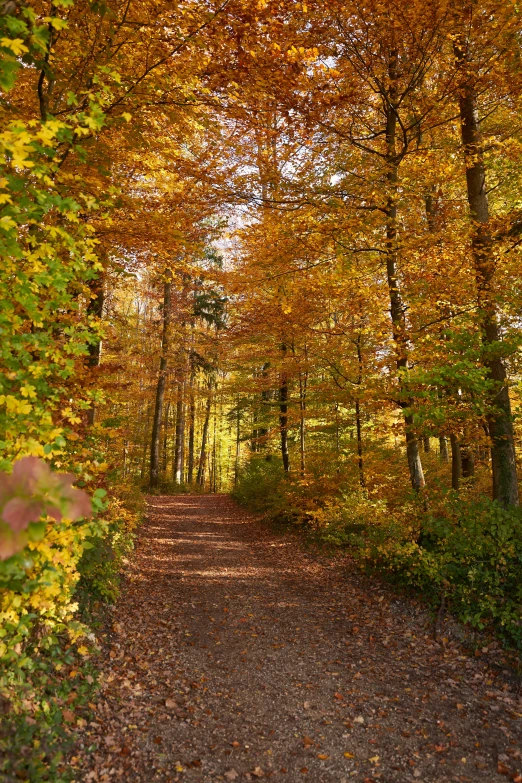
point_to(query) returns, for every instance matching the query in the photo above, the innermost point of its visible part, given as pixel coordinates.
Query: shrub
(464, 549)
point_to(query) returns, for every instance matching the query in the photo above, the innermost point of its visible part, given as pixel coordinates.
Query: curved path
(236, 656)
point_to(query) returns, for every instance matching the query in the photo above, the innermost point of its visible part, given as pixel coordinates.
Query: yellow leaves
(16, 45)
(56, 22)
(7, 223)
(83, 650)
(348, 755)
(68, 414)
(48, 131)
(14, 405)
(28, 391)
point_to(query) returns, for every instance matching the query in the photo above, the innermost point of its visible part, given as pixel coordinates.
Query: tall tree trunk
(303, 383)
(396, 303)
(192, 424)
(160, 387)
(166, 439)
(443, 449)
(95, 308)
(358, 422)
(204, 437)
(283, 417)
(146, 442)
(505, 486)
(466, 458)
(214, 455)
(180, 430)
(426, 444)
(456, 463)
(238, 442)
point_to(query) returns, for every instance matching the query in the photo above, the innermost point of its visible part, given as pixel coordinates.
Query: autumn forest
(261, 260)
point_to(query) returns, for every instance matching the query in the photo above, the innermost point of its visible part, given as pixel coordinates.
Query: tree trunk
(203, 453)
(396, 304)
(145, 441)
(456, 463)
(505, 486)
(303, 383)
(238, 443)
(213, 483)
(467, 460)
(283, 419)
(179, 450)
(166, 439)
(443, 449)
(358, 422)
(192, 424)
(95, 308)
(426, 444)
(160, 388)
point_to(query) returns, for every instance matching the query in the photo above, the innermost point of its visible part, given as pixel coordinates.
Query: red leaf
(18, 512)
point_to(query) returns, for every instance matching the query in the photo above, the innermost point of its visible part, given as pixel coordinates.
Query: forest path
(237, 656)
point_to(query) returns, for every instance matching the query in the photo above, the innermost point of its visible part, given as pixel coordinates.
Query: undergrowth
(53, 598)
(464, 550)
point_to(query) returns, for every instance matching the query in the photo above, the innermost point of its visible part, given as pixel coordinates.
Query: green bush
(466, 550)
(470, 552)
(262, 487)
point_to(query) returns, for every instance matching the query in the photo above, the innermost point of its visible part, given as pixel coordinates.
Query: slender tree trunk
(358, 422)
(95, 307)
(426, 444)
(283, 417)
(166, 439)
(160, 387)
(456, 463)
(204, 436)
(180, 431)
(238, 443)
(443, 449)
(214, 455)
(396, 303)
(467, 459)
(338, 440)
(505, 486)
(146, 442)
(192, 424)
(303, 384)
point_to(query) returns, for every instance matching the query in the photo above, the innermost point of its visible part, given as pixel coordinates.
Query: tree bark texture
(179, 449)
(456, 463)
(500, 422)
(396, 303)
(204, 438)
(160, 388)
(95, 307)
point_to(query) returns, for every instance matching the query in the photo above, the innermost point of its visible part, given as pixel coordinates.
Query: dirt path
(235, 657)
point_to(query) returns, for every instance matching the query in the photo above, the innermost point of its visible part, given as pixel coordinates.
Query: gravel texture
(236, 655)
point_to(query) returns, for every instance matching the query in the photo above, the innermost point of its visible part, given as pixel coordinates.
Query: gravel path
(236, 656)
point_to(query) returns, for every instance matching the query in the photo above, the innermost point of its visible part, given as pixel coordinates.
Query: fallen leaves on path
(235, 656)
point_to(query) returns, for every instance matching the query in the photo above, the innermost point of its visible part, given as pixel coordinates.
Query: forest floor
(236, 654)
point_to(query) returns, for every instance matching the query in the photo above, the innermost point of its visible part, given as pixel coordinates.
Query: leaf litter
(233, 658)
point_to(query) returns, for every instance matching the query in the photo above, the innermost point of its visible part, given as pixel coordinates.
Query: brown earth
(235, 655)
